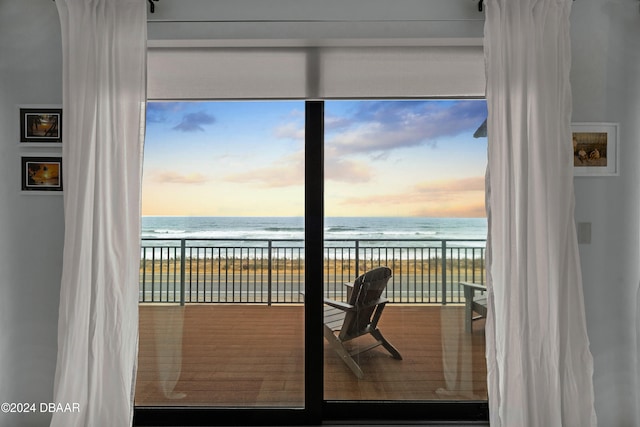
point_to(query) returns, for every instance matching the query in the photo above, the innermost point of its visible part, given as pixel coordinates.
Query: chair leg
(337, 346)
(386, 344)
(468, 313)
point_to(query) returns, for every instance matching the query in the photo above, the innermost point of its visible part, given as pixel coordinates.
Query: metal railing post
(357, 258)
(444, 272)
(183, 261)
(269, 278)
(144, 274)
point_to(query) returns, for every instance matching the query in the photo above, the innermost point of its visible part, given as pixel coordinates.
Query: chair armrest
(339, 305)
(373, 303)
(471, 288)
(348, 307)
(474, 286)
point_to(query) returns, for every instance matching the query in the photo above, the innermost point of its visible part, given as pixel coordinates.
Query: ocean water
(336, 228)
(397, 238)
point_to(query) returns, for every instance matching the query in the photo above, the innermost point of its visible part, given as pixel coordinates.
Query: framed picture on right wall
(595, 149)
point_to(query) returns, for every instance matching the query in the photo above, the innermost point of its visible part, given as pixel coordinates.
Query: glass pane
(221, 313)
(404, 187)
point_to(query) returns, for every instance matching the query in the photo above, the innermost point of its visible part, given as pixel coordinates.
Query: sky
(382, 158)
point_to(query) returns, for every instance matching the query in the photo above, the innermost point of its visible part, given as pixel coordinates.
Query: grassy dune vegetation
(259, 267)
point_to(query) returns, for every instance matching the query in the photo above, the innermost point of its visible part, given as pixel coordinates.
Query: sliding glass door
(404, 193)
(259, 213)
(222, 264)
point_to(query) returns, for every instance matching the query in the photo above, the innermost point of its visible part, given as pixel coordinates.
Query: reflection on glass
(167, 325)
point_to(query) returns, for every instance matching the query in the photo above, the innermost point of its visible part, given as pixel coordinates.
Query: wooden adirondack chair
(473, 303)
(359, 316)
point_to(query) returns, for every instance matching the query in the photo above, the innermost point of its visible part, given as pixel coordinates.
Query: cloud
(336, 168)
(193, 122)
(335, 122)
(379, 126)
(476, 183)
(350, 171)
(375, 128)
(160, 112)
(462, 197)
(473, 210)
(342, 169)
(171, 177)
(290, 131)
(288, 172)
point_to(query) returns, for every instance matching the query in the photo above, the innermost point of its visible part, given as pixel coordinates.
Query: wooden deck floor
(253, 355)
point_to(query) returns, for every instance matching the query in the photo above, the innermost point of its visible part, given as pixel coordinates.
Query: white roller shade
(315, 72)
(227, 73)
(379, 72)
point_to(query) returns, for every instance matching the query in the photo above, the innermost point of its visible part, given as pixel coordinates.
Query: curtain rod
(307, 21)
(152, 9)
(480, 5)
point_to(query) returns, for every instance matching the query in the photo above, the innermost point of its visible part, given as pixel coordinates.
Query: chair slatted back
(366, 288)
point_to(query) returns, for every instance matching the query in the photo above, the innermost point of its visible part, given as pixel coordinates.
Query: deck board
(253, 355)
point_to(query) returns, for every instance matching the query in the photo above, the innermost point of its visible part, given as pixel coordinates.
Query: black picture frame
(42, 173)
(41, 125)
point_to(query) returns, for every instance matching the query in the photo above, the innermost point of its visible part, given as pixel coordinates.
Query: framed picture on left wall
(41, 125)
(41, 173)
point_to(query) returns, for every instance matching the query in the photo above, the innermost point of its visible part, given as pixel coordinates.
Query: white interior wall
(31, 227)
(606, 61)
(605, 64)
(314, 21)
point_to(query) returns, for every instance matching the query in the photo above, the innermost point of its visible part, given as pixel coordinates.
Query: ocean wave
(381, 233)
(238, 228)
(168, 231)
(230, 234)
(343, 228)
(287, 229)
(410, 233)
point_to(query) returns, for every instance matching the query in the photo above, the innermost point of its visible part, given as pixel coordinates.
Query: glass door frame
(316, 409)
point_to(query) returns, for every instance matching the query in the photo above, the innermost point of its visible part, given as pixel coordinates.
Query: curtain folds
(539, 364)
(104, 74)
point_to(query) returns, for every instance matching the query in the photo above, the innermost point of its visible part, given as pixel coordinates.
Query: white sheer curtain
(104, 73)
(539, 363)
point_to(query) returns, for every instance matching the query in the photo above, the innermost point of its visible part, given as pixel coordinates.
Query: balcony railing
(272, 271)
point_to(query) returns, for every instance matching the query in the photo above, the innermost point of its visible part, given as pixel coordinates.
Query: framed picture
(595, 149)
(41, 125)
(41, 173)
